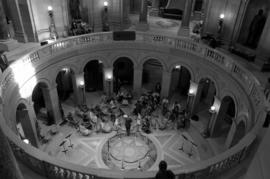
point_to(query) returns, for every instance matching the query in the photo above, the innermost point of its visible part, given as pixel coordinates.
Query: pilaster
(137, 81)
(166, 81)
(143, 24)
(184, 28)
(52, 104)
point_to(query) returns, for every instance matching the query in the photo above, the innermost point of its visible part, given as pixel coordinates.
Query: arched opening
(93, 76)
(225, 117)
(24, 126)
(239, 133)
(40, 106)
(123, 70)
(205, 95)
(65, 80)
(203, 101)
(180, 82)
(152, 75)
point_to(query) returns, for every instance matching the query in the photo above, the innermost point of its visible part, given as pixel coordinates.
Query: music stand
(182, 147)
(62, 145)
(68, 137)
(190, 153)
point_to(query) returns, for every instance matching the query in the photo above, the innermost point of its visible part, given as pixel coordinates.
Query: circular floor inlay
(167, 24)
(129, 152)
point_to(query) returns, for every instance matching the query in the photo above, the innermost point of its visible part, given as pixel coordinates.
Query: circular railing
(52, 168)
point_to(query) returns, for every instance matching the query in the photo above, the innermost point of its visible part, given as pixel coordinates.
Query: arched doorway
(123, 72)
(239, 133)
(40, 105)
(64, 81)
(93, 76)
(180, 82)
(205, 95)
(152, 74)
(203, 101)
(24, 125)
(224, 119)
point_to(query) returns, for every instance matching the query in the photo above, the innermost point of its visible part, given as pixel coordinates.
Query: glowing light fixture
(105, 3)
(81, 83)
(191, 92)
(221, 16)
(65, 70)
(108, 74)
(177, 67)
(26, 141)
(50, 8)
(212, 109)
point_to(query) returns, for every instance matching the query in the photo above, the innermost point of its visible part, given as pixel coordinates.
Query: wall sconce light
(105, 3)
(221, 16)
(192, 89)
(191, 92)
(212, 109)
(26, 141)
(109, 75)
(220, 23)
(81, 83)
(65, 70)
(177, 67)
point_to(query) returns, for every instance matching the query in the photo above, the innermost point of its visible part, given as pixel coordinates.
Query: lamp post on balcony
(52, 28)
(109, 80)
(213, 111)
(82, 87)
(105, 18)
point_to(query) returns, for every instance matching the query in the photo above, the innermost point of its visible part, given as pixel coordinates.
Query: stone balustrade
(49, 167)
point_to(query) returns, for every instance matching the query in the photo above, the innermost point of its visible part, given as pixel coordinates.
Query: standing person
(127, 124)
(163, 173)
(255, 29)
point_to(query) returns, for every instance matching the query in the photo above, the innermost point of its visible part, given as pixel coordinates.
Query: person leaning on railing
(163, 173)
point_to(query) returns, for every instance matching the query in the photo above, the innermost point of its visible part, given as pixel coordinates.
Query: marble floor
(177, 147)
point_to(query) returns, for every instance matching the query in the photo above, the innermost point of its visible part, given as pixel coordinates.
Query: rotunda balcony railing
(49, 167)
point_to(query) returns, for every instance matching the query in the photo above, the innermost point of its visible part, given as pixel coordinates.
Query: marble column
(52, 104)
(166, 81)
(29, 123)
(155, 8)
(16, 18)
(108, 80)
(196, 99)
(137, 81)
(209, 130)
(184, 28)
(76, 90)
(263, 49)
(230, 135)
(143, 24)
(6, 44)
(8, 164)
(125, 13)
(3, 23)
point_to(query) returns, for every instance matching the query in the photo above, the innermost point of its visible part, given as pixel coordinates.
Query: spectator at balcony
(163, 172)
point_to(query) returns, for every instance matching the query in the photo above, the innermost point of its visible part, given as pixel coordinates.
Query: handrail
(48, 166)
